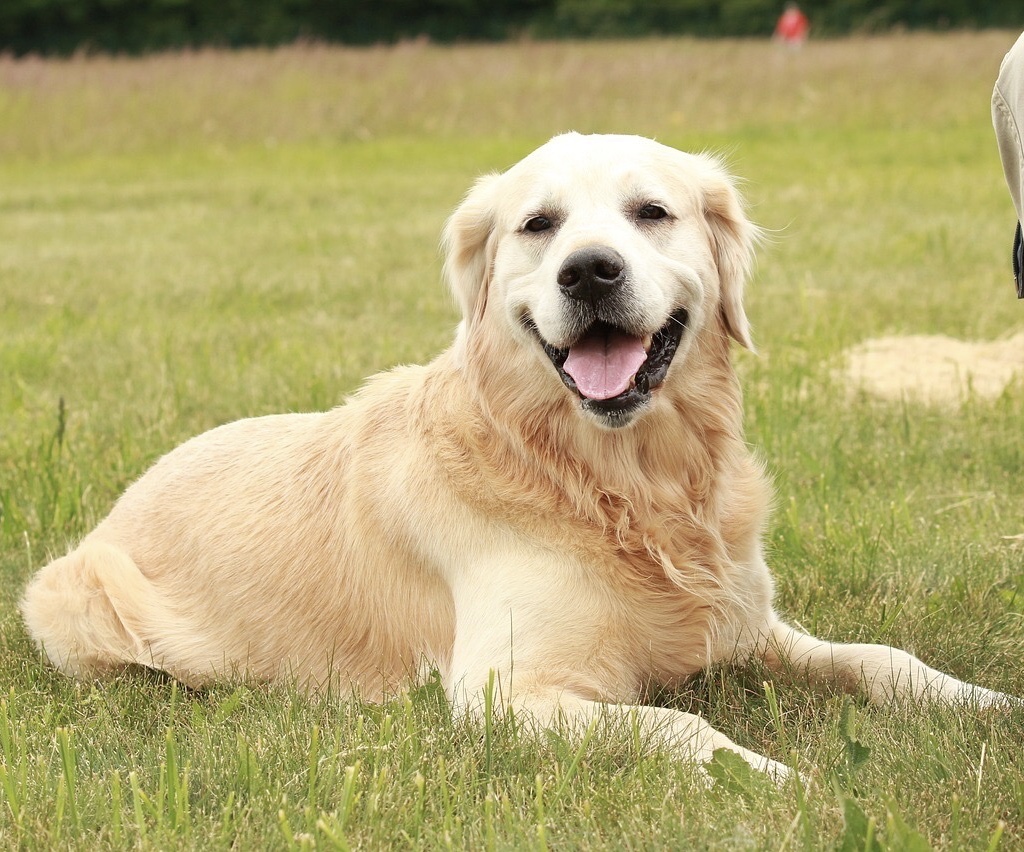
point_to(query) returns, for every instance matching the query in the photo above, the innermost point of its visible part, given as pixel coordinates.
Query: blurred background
(133, 26)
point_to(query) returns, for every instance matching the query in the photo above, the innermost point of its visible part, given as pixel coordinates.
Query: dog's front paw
(988, 699)
(732, 767)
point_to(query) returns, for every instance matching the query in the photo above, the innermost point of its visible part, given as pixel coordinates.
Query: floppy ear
(468, 247)
(733, 239)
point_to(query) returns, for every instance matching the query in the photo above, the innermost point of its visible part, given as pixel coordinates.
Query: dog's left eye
(652, 211)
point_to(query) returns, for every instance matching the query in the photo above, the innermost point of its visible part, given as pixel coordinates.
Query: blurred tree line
(134, 26)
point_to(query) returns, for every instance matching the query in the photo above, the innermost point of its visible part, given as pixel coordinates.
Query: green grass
(190, 239)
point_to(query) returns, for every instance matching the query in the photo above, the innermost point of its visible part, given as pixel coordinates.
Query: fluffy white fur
(471, 514)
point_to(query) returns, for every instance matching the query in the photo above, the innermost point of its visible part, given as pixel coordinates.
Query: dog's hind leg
(87, 611)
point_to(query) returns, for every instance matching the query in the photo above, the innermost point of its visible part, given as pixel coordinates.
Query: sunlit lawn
(189, 239)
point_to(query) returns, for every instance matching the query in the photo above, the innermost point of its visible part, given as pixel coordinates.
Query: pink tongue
(603, 364)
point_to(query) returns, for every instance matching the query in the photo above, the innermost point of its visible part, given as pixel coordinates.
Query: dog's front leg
(539, 708)
(882, 672)
(548, 649)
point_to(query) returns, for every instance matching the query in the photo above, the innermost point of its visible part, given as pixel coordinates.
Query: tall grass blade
(116, 809)
(539, 813)
(139, 804)
(574, 765)
(14, 763)
(68, 760)
(313, 765)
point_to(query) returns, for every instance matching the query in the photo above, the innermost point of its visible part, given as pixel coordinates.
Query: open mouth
(613, 371)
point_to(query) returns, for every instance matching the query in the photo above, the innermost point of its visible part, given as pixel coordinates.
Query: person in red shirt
(792, 26)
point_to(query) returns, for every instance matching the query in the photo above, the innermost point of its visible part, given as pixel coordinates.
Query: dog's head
(606, 257)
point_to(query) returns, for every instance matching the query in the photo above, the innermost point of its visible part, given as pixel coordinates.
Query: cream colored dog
(562, 500)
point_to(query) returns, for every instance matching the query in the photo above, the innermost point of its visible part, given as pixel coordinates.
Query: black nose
(589, 274)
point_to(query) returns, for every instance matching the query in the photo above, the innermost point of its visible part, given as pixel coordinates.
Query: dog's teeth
(648, 340)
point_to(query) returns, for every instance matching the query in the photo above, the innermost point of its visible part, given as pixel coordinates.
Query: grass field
(190, 239)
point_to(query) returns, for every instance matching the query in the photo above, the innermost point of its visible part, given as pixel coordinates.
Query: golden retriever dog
(560, 505)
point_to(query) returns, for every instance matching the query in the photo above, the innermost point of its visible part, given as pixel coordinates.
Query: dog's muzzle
(613, 371)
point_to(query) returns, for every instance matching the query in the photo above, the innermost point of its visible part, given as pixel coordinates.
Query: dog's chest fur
(662, 557)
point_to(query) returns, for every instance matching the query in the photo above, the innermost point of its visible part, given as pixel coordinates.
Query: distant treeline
(135, 26)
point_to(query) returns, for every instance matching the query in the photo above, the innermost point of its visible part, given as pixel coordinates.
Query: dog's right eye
(537, 224)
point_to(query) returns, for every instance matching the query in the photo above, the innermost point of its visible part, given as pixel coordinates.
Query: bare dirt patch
(934, 369)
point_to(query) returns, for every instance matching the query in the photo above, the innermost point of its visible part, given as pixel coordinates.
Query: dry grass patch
(934, 368)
